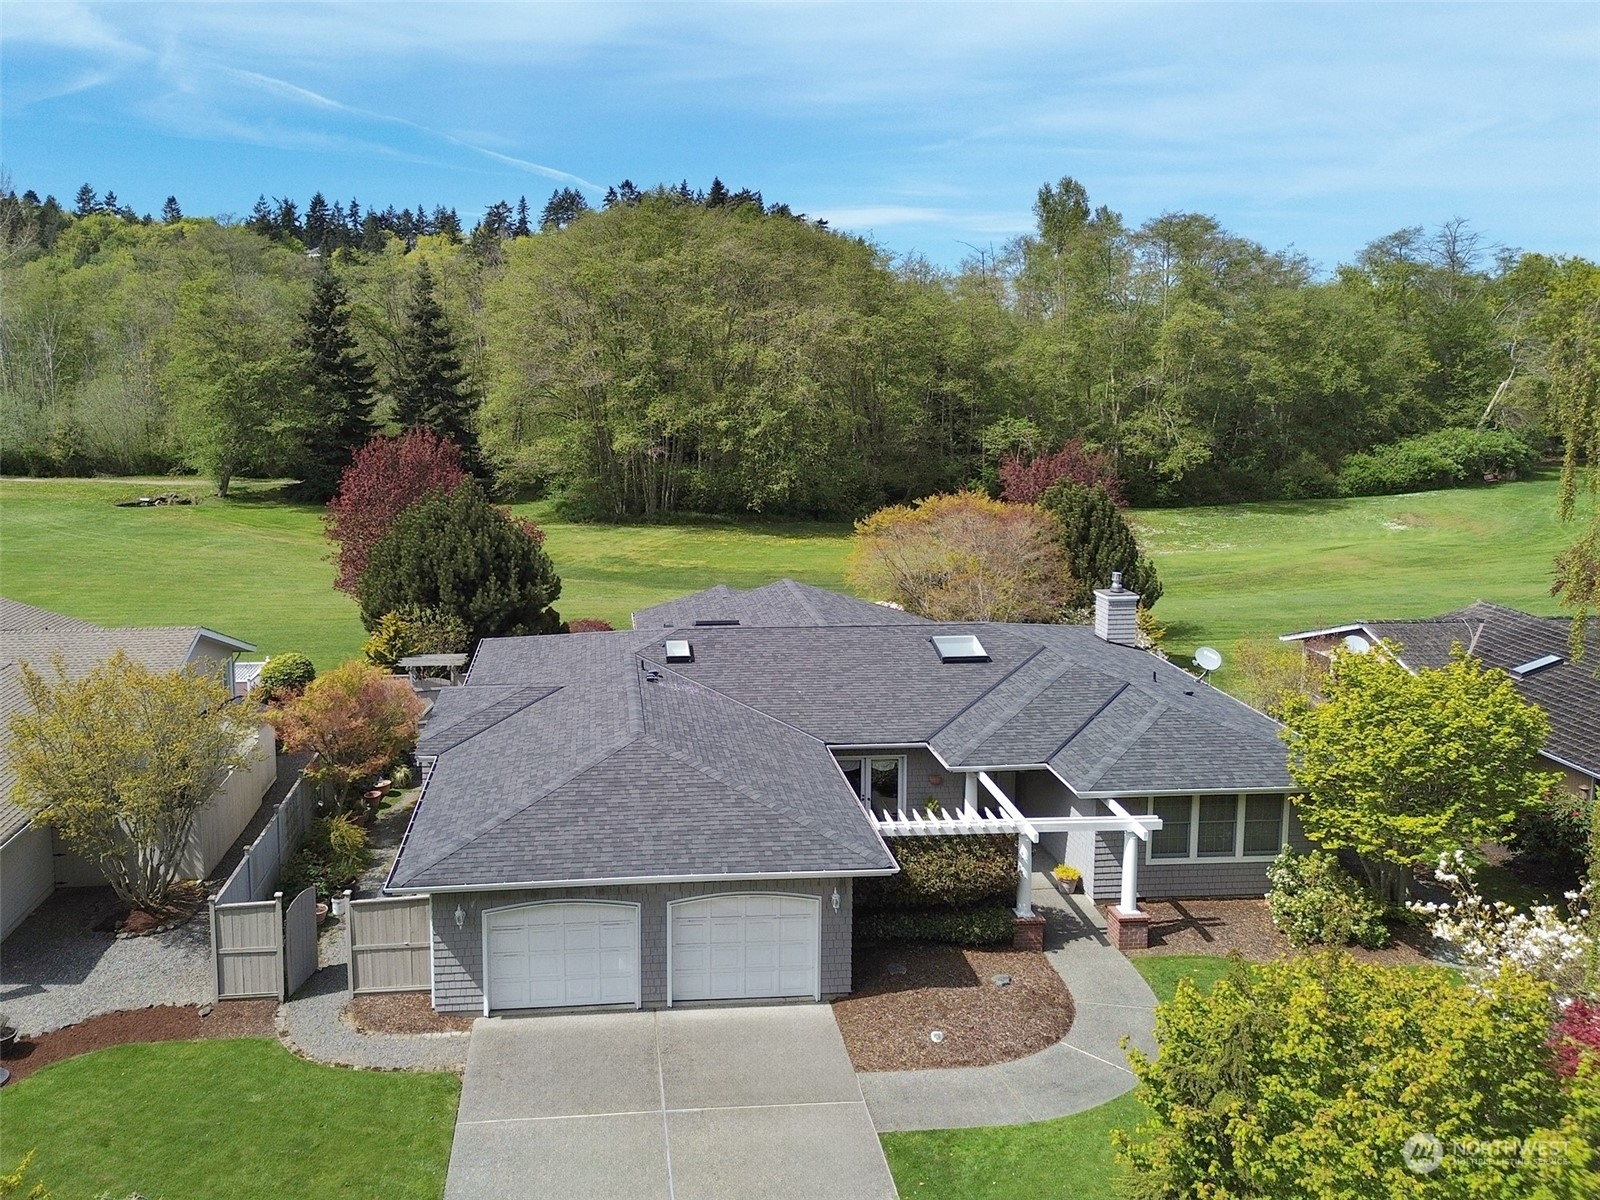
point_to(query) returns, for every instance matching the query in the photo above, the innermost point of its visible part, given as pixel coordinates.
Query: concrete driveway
(685, 1104)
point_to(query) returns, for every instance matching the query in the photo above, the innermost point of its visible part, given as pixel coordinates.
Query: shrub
(1442, 459)
(415, 631)
(1097, 541)
(943, 872)
(1315, 902)
(285, 676)
(1551, 839)
(589, 625)
(356, 720)
(334, 853)
(987, 925)
(1025, 480)
(1576, 1033)
(402, 776)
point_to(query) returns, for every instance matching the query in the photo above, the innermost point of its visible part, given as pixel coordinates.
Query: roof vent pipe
(1116, 581)
(1116, 613)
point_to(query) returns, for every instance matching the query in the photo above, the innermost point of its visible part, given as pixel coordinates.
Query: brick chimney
(1116, 613)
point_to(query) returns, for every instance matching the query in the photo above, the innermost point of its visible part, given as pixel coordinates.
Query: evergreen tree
(318, 220)
(87, 201)
(522, 228)
(431, 390)
(170, 212)
(337, 418)
(565, 206)
(717, 197)
(1098, 541)
(261, 219)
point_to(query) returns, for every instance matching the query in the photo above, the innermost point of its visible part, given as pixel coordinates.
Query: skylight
(959, 647)
(1537, 664)
(679, 650)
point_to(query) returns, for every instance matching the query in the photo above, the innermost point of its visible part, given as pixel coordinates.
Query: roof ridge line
(987, 692)
(1089, 720)
(551, 690)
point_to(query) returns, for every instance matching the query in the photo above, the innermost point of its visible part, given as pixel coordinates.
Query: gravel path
(55, 970)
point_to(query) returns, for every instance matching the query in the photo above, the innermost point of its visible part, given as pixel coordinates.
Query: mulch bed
(887, 1020)
(402, 1012)
(183, 901)
(164, 1023)
(1245, 927)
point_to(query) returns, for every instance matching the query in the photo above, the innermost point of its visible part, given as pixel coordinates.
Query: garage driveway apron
(683, 1104)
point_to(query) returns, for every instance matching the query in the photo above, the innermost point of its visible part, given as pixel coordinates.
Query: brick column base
(1128, 931)
(1027, 933)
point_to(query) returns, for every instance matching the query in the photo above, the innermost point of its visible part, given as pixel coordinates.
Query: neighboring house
(677, 812)
(1535, 651)
(32, 861)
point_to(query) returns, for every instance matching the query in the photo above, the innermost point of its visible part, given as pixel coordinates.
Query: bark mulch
(887, 1019)
(164, 1023)
(1245, 926)
(183, 901)
(402, 1012)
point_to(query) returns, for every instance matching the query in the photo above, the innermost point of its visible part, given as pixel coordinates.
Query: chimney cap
(1116, 581)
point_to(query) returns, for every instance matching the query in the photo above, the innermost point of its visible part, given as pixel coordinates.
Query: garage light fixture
(461, 917)
(835, 899)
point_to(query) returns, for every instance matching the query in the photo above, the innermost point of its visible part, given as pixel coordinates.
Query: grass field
(229, 1118)
(255, 566)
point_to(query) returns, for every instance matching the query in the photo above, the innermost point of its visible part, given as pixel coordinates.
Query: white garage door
(557, 954)
(743, 946)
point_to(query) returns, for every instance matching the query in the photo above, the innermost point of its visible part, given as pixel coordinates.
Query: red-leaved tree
(387, 476)
(589, 625)
(1024, 480)
(1577, 1032)
(356, 719)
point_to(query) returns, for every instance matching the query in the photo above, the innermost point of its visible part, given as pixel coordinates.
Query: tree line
(680, 350)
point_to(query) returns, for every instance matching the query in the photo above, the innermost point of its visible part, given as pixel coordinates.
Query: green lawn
(256, 566)
(1162, 971)
(210, 1120)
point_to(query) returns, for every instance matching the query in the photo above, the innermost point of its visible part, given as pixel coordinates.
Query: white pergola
(1003, 817)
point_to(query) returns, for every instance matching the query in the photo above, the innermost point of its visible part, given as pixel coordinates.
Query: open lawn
(229, 1118)
(256, 566)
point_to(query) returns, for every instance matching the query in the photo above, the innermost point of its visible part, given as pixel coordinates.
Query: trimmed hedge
(986, 925)
(1443, 459)
(943, 872)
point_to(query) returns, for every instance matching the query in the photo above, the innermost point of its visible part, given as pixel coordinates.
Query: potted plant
(1067, 880)
(8, 1036)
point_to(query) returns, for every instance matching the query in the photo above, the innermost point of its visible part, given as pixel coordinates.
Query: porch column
(969, 798)
(1024, 876)
(1129, 902)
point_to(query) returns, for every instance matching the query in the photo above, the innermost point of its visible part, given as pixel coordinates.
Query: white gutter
(627, 880)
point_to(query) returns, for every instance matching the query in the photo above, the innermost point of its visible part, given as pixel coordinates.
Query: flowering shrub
(1560, 949)
(1576, 1033)
(1314, 901)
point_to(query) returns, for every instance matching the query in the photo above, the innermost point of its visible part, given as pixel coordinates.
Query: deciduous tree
(963, 557)
(1402, 767)
(355, 719)
(1026, 480)
(120, 762)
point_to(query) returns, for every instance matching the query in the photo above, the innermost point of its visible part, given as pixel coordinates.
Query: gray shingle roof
(591, 757)
(784, 602)
(1569, 692)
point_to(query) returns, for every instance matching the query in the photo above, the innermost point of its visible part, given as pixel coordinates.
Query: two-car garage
(726, 946)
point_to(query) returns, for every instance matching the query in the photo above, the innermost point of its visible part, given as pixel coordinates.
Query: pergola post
(969, 797)
(1024, 876)
(1129, 902)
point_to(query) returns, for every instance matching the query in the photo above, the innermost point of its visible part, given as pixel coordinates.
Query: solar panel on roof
(959, 647)
(1537, 664)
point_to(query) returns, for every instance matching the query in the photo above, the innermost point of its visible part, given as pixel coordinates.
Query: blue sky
(925, 127)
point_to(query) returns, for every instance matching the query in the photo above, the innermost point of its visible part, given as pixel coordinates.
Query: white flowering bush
(1560, 948)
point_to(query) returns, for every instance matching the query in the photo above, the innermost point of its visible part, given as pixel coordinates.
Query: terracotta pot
(322, 912)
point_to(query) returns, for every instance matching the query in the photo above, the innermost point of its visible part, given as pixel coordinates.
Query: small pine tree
(456, 552)
(170, 212)
(430, 386)
(1098, 540)
(337, 419)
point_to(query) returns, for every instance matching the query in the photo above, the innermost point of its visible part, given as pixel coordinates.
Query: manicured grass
(229, 1118)
(1069, 1158)
(256, 566)
(1162, 971)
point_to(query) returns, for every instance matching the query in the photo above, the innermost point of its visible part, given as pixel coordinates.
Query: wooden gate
(300, 940)
(391, 945)
(247, 949)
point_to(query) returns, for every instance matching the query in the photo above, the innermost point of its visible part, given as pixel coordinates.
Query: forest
(676, 350)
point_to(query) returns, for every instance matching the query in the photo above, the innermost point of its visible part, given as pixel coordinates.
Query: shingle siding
(458, 974)
(1193, 879)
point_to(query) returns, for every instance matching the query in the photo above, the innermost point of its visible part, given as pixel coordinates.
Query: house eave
(638, 881)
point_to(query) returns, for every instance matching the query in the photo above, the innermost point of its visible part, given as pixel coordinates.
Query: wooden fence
(390, 945)
(260, 952)
(256, 876)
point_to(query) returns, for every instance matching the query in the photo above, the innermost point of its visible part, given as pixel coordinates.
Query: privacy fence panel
(256, 876)
(391, 945)
(300, 940)
(247, 948)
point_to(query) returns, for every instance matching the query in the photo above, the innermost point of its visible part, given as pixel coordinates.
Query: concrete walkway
(1086, 1068)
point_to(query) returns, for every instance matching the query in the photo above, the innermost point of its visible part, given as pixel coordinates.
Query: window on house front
(1263, 824)
(1172, 839)
(879, 782)
(1219, 816)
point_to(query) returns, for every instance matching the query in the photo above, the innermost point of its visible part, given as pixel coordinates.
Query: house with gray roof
(678, 812)
(1535, 651)
(33, 863)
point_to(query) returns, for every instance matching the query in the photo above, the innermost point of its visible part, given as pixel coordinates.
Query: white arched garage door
(744, 946)
(559, 954)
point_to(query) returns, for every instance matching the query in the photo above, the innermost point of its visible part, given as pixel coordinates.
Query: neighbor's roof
(785, 602)
(591, 756)
(36, 636)
(1568, 691)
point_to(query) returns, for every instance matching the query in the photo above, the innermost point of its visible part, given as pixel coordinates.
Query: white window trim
(866, 758)
(1238, 855)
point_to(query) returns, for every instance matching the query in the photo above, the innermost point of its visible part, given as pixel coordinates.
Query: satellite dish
(1207, 658)
(1357, 644)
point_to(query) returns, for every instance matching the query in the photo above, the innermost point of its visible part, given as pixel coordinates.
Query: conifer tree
(431, 390)
(170, 212)
(523, 227)
(337, 418)
(1098, 540)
